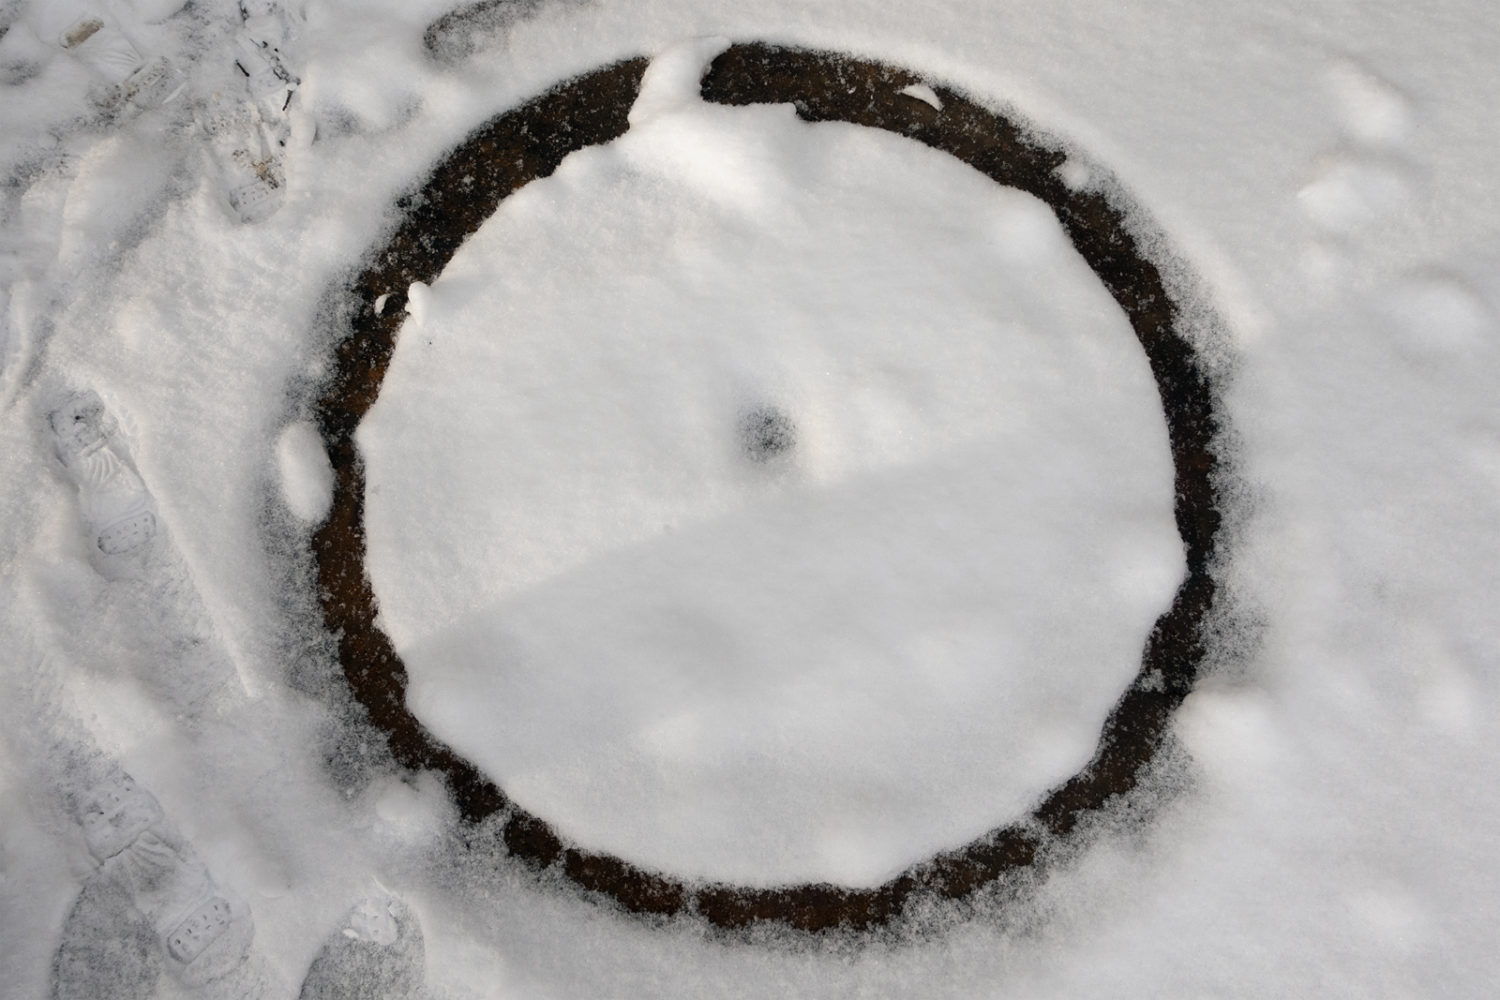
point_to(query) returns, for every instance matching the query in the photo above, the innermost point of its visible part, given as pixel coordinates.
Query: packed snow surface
(853, 391)
(820, 664)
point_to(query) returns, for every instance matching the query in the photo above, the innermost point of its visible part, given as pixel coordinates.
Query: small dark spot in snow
(766, 432)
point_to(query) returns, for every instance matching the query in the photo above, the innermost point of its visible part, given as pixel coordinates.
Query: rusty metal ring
(530, 142)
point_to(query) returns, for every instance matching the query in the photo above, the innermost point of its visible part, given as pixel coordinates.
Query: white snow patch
(1075, 173)
(672, 80)
(306, 475)
(418, 296)
(1349, 192)
(923, 93)
(1373, 111)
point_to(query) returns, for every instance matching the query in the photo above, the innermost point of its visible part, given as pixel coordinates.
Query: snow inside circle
(897, 631)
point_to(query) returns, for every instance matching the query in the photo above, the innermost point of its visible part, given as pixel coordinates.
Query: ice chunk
(923, 93)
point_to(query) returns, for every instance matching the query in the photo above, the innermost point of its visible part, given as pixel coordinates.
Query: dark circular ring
(530, 142)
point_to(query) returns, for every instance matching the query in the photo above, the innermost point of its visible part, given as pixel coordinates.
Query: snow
(306, 476)
(582, 568)
(923, 93)
(1326, 172)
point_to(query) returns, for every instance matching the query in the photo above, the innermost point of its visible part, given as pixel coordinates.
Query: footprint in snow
(378, 954)
(117, 508)
(150, 908)
(1366, 179)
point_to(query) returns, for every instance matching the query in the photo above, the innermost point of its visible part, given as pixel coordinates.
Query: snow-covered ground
(824, 659)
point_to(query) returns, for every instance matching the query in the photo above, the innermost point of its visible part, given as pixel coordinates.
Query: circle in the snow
(768, 445)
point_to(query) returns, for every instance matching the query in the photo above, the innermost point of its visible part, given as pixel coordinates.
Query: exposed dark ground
(530, 142)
